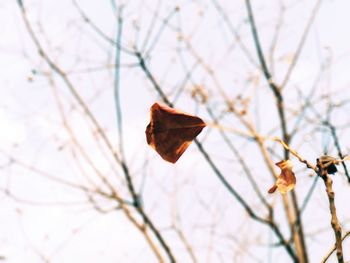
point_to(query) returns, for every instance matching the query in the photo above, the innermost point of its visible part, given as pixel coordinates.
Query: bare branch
(334, 248)
(334, 219)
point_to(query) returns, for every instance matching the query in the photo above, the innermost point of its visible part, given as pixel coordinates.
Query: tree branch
(334, 248)
(334, 219)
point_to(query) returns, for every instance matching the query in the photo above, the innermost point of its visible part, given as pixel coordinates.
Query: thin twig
(117, 85)
(296, 154)
(301, 43)
(98, 30)
(275, 89)
(242, 163)
(276, 34)
(337, 145)
(165, 22)
(234, 32)
(334, 248)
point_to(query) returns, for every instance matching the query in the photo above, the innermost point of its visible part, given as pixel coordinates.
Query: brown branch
(334, 248)
(334, 219)
(296, 154)
(321, 170)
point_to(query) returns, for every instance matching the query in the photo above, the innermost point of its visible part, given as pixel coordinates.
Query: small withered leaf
(272, 189)
(286, 180)
(171, 131)
(328, 163)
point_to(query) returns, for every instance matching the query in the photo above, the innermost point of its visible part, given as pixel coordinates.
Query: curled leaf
(286, 180)
(328, 163)
(171, 131)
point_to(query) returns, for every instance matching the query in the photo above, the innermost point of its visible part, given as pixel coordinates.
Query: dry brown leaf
(286, 180)
(171, 131)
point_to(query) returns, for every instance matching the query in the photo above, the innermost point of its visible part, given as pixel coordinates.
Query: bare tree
(248, 68)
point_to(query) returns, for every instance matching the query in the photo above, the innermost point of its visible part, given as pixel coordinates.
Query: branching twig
(296, 154)
(334, 248)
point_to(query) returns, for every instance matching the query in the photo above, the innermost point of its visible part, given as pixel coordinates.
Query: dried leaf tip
(328, 163)
(286, 180)
(171, 131)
